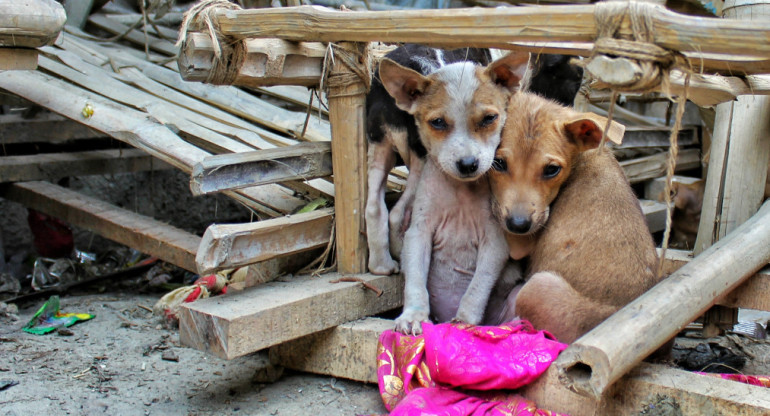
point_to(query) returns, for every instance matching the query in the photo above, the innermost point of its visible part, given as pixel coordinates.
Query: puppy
(685, 220)
(453, 252)
(392, 134)
(569, 206)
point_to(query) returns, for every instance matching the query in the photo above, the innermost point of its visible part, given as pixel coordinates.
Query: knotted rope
(229, 53)
(647, 68)
(357, 60)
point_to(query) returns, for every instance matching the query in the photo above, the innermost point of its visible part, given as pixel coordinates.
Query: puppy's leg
(549, 302)
(401, 214)
(492, 258)
(381, 161)
(511, 279)
(418, 243)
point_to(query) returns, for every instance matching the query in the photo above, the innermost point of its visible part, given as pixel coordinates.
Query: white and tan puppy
(454, 252)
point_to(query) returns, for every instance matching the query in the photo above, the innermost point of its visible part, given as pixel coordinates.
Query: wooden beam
(17, 59)
(145, 234)
(645, 137)
(53, 166)
(270, 314)
(46, 127)
(30, 24)
(227, 246)
(77, 12)
(240, 170)
(655, 214)
(347, 114)
(653, 166)
(460, 27)
(607, 352)
(268, 62)
(348, 350)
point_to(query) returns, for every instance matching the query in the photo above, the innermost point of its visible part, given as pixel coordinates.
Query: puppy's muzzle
(518, 224)
(468, 165)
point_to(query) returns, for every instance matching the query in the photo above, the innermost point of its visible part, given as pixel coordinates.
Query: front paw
(410, 321)
(383, 267)
(464, 316)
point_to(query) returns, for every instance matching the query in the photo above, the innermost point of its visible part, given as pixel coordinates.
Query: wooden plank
(235, 171)
(240, 323)
(645, 137)
(500, 25)
(77, 12)
(154, 43)
(53, 166)
(653, 166)
(347, 351)
(30, 24)
(600, 357)
(754, 293)
(228, 246)
(17, 59)
(145, 234)
(655, 214)
(45, 127)
(347, 114)
(267, 62)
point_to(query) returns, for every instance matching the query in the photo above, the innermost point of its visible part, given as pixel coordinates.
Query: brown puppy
(571, 209)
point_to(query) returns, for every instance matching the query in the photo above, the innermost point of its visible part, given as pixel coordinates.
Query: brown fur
(590, 249)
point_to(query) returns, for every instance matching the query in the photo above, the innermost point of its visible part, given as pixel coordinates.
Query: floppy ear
(403, 84)
(586, 131)
(509, 70)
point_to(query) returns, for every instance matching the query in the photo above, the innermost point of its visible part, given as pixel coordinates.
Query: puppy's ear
(509, 70)
(586, 131)
(403, 84)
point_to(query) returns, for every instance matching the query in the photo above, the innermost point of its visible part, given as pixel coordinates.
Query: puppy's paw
(468, 317)
(383, 266)
(410, 321)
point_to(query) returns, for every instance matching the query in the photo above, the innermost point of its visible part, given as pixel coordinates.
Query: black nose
(467, 165)
(518, 224)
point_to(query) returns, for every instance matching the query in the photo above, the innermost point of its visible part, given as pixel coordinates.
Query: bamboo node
(229, 52)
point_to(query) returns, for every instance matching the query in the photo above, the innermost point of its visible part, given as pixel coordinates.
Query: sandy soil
(113, 364)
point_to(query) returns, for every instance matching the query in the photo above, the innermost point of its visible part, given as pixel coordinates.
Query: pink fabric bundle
(435, 373)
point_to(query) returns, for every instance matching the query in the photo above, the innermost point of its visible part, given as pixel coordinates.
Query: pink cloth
(441, 371)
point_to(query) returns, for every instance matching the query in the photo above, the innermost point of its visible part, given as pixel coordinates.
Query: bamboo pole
(347, 105)
(602, 356)
(491, 27)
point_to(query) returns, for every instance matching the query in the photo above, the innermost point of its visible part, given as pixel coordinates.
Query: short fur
(454, 252)
(590, 249)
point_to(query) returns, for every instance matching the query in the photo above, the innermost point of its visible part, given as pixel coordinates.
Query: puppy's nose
(518, 224)
(467, 165)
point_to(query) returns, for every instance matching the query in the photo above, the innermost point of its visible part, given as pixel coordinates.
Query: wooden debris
(655, 214)
(54, 166)
(17, 58)
(46, 127)
(653, 166)
(77, 12)
(276, 312)
(137, 231)
(240, 170)
(227, 246)
(599, 358)
(347, 351)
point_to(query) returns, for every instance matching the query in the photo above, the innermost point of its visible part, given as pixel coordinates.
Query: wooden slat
(46, 127)
(500, 25)
(134, 36)
(234, 171)
(653, 166)
(77, 12)
(240, 323)
(655, 214)
(30, 24)
(53, 166)
(348, 350)
(17, 59)
(137, 231)
(227, 246)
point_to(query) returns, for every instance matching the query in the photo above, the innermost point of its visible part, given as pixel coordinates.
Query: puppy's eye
(499, 164)
(551, 171)
(438, 123)
(488, 120)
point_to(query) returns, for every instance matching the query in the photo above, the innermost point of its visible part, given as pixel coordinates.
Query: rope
(336, 83)
(229, 53)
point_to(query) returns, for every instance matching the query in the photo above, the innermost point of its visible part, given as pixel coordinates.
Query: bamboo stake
(499, 27)
(599, 358)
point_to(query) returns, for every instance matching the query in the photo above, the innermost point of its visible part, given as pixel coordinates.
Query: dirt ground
(113, 364)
